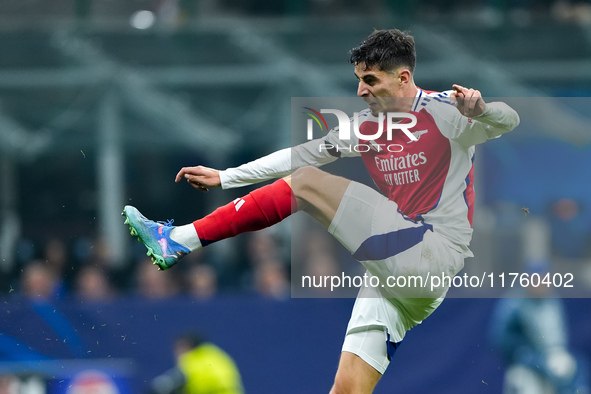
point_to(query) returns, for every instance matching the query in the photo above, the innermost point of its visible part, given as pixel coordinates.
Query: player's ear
(404, 76)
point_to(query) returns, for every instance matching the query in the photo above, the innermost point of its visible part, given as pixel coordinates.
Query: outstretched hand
(201, 178)
(468, 101)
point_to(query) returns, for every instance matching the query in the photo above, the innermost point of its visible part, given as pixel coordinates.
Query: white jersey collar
(418, 96)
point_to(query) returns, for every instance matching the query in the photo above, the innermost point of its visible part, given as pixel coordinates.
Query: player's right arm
(200, 177)
(275, 165)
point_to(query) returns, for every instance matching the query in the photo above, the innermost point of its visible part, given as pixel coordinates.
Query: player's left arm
(478, 120)
(468, 101)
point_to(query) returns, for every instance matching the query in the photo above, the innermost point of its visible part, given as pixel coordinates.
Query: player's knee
(346, 384)
(306, 176)
(305, 180)
(340, 388)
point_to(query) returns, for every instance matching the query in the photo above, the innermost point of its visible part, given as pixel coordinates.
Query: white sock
(187, 236)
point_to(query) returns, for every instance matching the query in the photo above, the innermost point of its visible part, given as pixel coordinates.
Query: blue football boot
(156, 236)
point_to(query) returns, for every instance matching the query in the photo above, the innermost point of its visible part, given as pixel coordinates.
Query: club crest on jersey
(418, 134)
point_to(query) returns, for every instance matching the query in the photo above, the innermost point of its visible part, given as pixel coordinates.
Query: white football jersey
(430, 179)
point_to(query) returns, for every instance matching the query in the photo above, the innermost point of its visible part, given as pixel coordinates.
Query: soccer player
(419, 223)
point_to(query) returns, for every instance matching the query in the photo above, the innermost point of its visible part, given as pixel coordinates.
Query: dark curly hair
(386, 49)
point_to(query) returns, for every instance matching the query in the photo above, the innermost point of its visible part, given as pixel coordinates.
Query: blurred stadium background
(103, 101)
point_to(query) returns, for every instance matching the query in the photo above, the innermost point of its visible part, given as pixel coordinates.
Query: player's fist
(468, 101)
(200, 177)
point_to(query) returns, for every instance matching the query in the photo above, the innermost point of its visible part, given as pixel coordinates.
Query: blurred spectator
(570, 230)
(529, 329)
(154, 284)
(319, 259)
(38, 281)
(271, 280)
(92, 284)
(100, 252)
(202, 281)
(262, 247)
(268, 273)
(201, 368)
(321, 265)
(56, 256)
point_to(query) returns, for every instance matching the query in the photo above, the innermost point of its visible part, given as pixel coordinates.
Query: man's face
(381, 90)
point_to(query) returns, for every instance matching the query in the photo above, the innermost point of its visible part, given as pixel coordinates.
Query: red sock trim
(259, 209)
